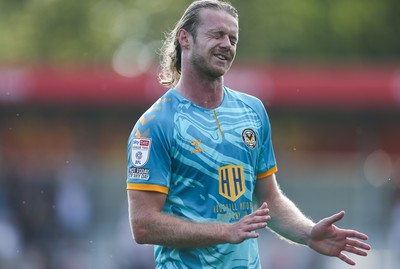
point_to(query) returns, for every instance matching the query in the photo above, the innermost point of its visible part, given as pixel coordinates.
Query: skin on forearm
(288, 221)
(286, 218)
(166, 230)
(150, 226)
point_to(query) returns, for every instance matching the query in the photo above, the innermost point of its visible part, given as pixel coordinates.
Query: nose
(226, 42)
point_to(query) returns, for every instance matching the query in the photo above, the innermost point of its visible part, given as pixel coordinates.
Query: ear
(184, 38)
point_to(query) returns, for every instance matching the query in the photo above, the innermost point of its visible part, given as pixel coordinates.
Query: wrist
(310, 241)
(308, 236)
(223, 232)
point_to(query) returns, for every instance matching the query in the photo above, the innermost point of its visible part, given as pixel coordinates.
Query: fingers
(258, 219)
(352, 233)
(353, 250)
(255, 226)
(356, 251)
(355, 247)
(346, 259)
(262, 210)
(357, 244)
(263, 207)
(246, 227)
(251, 235)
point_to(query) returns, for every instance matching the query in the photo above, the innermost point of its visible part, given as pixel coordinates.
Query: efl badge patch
(249, 138)
(140, 151)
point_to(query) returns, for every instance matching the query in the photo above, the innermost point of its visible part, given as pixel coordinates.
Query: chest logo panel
(249, 138)
(231, 181)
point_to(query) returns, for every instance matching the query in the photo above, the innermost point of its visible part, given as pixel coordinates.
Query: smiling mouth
(221, 57)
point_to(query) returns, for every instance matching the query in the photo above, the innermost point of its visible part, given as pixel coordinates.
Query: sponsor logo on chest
(231, 181)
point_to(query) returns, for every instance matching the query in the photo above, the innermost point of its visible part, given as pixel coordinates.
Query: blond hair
(171, 49)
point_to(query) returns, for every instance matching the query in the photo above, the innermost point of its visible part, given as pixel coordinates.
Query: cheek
(233, 52)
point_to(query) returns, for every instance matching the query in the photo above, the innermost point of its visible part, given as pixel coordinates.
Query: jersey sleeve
(266, 162)
(148, 156)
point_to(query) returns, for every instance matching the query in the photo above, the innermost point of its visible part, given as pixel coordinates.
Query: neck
(204, 92)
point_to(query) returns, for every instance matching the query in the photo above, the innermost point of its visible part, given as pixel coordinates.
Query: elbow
(139, 237)
(140, 234)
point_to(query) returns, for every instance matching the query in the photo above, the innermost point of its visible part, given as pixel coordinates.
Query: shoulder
(158, 117)
(163, 109)
(247, 99)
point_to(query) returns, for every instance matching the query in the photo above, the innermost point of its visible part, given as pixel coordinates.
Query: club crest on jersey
(140, 151)
(249, 138)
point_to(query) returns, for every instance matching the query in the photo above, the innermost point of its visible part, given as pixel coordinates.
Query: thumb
(334, 218)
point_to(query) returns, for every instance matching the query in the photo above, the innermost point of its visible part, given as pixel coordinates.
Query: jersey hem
(268, 173)
(147, 187)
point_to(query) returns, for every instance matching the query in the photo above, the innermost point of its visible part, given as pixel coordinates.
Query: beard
(210, 66)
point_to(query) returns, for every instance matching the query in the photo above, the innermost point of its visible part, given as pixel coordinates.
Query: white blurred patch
(132, 58)
(10, 241)
(378, 168)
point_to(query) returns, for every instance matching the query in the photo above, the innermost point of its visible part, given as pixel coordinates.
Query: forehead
(213, 19)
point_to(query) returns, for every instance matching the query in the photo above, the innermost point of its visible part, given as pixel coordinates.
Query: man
(198, 156)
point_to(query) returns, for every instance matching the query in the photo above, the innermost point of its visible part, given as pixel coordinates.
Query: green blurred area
(62, 31)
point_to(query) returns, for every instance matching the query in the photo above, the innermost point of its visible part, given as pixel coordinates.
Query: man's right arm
(150, 226)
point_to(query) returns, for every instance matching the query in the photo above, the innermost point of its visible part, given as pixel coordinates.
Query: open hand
(330, 240)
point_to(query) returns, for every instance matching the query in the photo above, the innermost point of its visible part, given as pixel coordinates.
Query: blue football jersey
(207, 162)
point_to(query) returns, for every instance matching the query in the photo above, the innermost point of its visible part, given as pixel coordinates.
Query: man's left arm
(289, 222)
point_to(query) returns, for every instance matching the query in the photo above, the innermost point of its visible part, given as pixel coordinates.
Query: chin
(219, 72)
(217, 75)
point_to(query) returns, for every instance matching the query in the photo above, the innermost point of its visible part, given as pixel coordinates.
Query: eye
(222, 34)
(218, 35)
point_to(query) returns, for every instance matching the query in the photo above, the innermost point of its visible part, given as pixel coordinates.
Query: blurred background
(76, 75)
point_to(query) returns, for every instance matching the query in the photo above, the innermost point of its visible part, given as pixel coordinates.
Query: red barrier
(278, 86)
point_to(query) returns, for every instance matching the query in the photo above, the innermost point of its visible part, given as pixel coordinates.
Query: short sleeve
(266, 165)
(148, 154)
